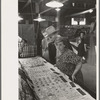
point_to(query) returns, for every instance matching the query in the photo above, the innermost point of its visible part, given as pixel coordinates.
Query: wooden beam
(80, 13)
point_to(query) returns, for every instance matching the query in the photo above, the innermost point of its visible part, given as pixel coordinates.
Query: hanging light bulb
(54, 4)
(20, 18)
(57, 9)
(39, 19)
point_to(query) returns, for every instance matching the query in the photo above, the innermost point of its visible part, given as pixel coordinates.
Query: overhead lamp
(57, 9)
(39, 19)
(20, 18)
(54, 4)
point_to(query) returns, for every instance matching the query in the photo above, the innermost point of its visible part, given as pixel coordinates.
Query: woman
(68, 62)
(81, 47)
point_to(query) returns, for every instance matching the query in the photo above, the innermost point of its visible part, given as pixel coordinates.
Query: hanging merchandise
(27, 32)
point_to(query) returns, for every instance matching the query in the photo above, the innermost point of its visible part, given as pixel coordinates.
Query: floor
(89, 74)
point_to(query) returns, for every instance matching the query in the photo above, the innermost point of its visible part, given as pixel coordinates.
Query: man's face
(52, 37)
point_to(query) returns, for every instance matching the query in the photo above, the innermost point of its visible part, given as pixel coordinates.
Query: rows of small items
(50, 86)
(32, 62)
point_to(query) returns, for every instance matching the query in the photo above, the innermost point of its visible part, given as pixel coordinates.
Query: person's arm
(85, 45)
(75, 59)
(71, 57)
(78, 67)
(43, 46)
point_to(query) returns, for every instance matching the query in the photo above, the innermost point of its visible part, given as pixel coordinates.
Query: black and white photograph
(56, 50)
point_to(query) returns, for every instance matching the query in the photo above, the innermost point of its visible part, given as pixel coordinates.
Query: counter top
(50, 83)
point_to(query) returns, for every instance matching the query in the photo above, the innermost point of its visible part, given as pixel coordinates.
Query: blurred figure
(80, 45)
(21, 44)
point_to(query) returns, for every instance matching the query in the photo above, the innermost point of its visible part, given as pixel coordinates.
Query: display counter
(49, 82)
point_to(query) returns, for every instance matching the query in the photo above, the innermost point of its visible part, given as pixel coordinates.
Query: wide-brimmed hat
(51, 30)
(44, 33)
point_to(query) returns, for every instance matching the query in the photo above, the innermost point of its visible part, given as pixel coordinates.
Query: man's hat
(50, 30)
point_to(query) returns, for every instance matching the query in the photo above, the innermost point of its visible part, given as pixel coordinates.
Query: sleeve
(71, 57)
(44, 44)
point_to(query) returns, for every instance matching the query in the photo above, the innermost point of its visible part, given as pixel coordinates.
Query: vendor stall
(49, 83)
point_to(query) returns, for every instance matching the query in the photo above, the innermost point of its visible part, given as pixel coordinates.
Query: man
(52, 49)
(52, 34)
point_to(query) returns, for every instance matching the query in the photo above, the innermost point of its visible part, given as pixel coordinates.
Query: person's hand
(73, 78)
